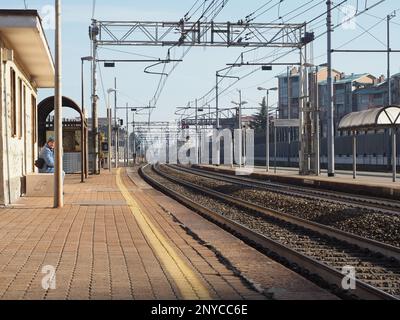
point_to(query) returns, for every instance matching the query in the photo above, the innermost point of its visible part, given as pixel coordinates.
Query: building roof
(296, 75)
(349, 78)
(23, 31)
(372, 119)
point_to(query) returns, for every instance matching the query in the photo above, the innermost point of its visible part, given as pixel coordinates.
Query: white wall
(17, 151)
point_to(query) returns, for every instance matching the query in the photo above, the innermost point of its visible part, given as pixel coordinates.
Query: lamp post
(109, 119)
(197, 110)
(217, 76)
(141, 145)
(134, 137)
(58, 174)
(331, 126)
(239, 108)
(267, 153)
(85, 149)
(197, 131)
(127, 137)
(389, 80)
(116, 134)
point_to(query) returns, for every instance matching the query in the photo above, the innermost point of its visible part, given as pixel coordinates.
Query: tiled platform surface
(100, 249)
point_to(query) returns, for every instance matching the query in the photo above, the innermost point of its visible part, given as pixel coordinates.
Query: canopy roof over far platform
(372, 119)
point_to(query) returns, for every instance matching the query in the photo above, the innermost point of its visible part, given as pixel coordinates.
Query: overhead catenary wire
(129, 52)
(247, 51)
(254, 49)
(366, 9)
(338, 25)
(102, 83)
(163, 80)
(212, 16)
(276, 5)
(260, 8)
(190, 10)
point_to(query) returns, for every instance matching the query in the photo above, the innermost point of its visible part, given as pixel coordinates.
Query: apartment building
(344, 89)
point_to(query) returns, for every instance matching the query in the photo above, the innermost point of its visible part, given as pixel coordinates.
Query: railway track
(316, 249)
(368, 222)
(363, 202)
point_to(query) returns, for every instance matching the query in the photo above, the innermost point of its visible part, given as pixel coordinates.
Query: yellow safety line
(188, 283)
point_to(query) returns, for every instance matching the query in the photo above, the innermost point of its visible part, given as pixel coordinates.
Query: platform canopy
(24, 33)
(372, 119)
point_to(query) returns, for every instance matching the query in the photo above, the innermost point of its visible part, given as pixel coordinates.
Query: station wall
(18, 142)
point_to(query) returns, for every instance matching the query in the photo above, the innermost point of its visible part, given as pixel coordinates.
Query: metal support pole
(317, 128)
(58, 175)
(394, 153)
(241, 128)
(167, 159)
(127, 138)
(86, 151)
(200, 144)
(116, 138)
(240, 151)
(217, 123)
(289, 115)
(354, 155)
(197, 134)
(109, 137)
(331, 129)
(82, 150)
(267, 135)
(389, 17)
(307, 120)
(83, 130)
(95, 119)
(216, 101)
(275, 151)
(302, 100)
(394, 156)
(134, 139)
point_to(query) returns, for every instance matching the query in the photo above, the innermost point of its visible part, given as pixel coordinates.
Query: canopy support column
(83, 161)
(354, 154)
(394, 153)
(375, 119)
(86, 151)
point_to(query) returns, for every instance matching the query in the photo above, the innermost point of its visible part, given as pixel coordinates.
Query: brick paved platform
(117, 238)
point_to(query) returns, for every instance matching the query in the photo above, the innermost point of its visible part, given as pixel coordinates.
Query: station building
(26, 66)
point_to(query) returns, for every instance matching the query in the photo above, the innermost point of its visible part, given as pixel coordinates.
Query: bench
(39, 185)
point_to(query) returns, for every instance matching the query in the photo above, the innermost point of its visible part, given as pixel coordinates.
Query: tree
(260, 122)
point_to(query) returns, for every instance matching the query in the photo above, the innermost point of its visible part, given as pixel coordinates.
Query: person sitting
(47, 154)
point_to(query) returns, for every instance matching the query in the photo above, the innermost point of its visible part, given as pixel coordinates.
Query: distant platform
(367, 183)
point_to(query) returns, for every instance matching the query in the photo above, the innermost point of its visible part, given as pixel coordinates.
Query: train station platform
(367, 183)
(118, 238)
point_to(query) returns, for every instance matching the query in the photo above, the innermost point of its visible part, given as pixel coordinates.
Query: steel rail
(383, 205)
(329, 274)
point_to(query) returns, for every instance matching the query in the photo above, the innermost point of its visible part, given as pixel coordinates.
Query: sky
(195, 76)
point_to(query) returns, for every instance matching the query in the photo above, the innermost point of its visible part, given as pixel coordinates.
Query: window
(33, 129)
(20, 104)
(33, 119)
(13, 104)
(24, 111)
